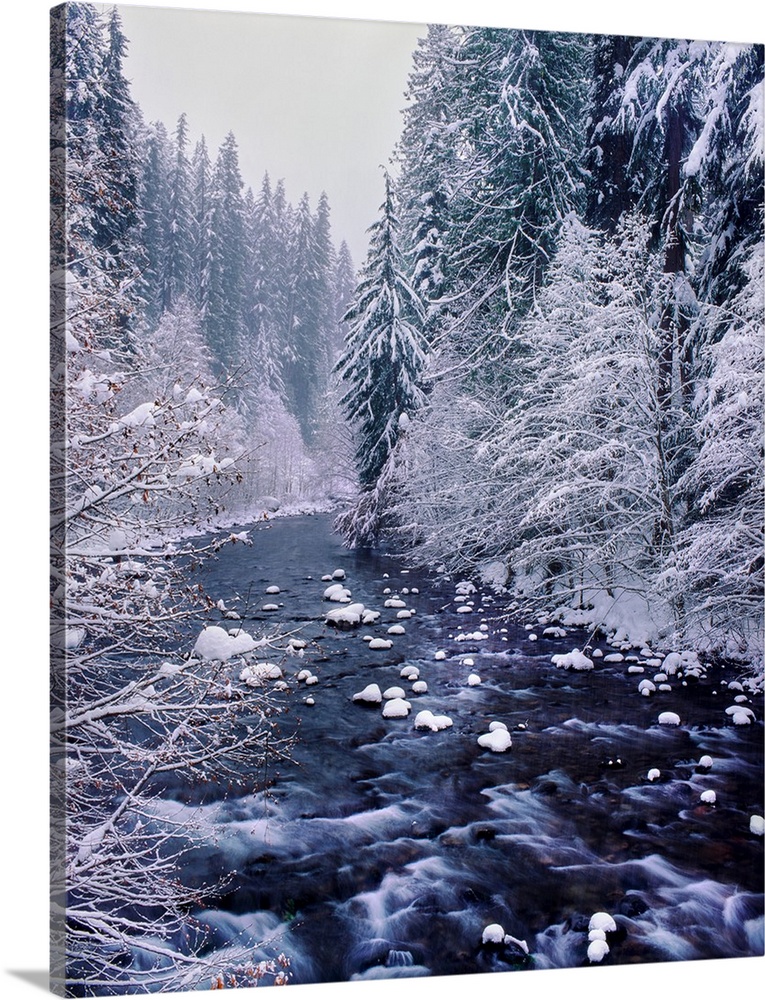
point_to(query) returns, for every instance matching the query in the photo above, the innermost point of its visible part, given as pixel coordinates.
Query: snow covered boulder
(740, 715)
(380, 644)
(420, 687)
(654, 774)
(215, 643)
(371, 695)
(493, 934)
(346, 617)
(393, 692)
(757, 825)
(396, 708)
(427, 720)
(575, 660)
(709, 797)
(597, 951)
(337, 593)
(440, 655)
(669, 719)
(497, 741)
(602, 921)
(473, 680)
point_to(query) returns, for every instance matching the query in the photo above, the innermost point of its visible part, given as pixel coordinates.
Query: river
(383, 851)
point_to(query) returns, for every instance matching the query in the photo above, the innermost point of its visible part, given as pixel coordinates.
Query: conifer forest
(408, 611)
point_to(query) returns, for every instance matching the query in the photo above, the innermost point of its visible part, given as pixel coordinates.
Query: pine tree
(178, 261)
(344, 286)
(154, 202)
(265, 294)
(201, 178)
(384, 356)
(609, 137)
(224, 315)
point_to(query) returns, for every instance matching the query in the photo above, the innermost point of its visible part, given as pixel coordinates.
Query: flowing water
(383, 851)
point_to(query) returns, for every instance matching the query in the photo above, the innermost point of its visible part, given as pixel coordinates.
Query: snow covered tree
(344, 286)
(307, 319)
(154, 198)
(383, 358)
(178, 261)
(224, 315)
(201, 177)
(609, 137)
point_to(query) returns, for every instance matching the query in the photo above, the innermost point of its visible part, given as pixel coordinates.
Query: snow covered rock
(602, 921)
(597, 951)
(740, 715)
(654, 774)
(380, 644)
(215, 643)
(440, 655)
(346, 617)
(709, 796)
(339, 574)
(337, 592)
(493, 934)
(575, 660)
(427, 720)
(669, 719)
(371, 695)
(396, 708)
(473, 680)
(395, 602)
(706, 762)
(420, 687)
(396, 630)
(409, 673)
(757, 825)
(393, 692)
(273, 590)
(497, 741)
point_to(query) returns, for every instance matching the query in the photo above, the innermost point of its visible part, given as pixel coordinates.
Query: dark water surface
(383, 851)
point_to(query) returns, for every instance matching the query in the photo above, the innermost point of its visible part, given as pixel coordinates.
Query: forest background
(24, 412)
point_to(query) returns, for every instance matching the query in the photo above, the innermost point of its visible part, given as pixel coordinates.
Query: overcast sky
(315, 101)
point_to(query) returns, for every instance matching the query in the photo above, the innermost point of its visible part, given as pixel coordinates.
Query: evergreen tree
(609, 136)
(384, 355)
(179, 255)
(201, 179)
(266, 294)
(344, 286)
(154, 201)
(101, 172)
(224, 315)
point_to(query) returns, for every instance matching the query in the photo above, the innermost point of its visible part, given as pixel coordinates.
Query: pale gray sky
(315, 101)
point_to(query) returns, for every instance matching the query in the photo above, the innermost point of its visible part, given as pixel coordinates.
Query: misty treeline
(565, 288)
